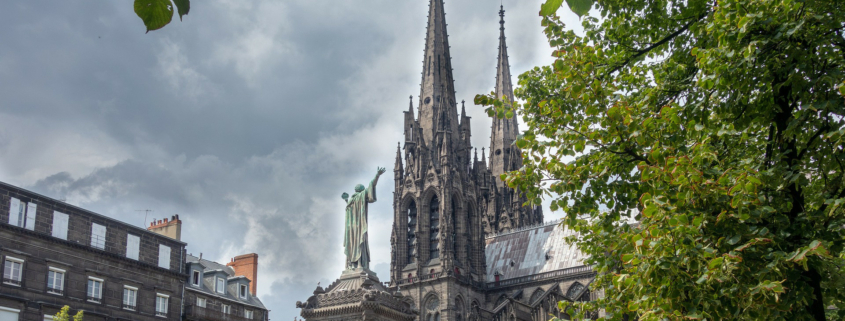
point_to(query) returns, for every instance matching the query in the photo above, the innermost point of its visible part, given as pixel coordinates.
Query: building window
(226, 309)
(95, 289)
(161, 304)
(243, 291)
(221, 285)
(434, 228)
(412, 230)
(98, 236)
(195, 278)
(22, 214)
(60, 222)
(13, 271)
(130, 297)
(55, 281)
(201, 302)
(433, 307)
(9, 314)
(133, 246)
(248, 314)
(164, 256)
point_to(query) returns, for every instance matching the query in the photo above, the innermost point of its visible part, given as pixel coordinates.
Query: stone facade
(73, 248)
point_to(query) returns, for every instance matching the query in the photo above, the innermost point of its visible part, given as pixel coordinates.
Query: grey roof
(527, 249)
(207, 288)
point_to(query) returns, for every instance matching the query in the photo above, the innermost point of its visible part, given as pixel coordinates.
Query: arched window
(412, 228)
(471, 236)
(536, 295)
(434, 223)
(474, 311)
(500, 300)
(454, 216)
(432, 308)
(574, 289)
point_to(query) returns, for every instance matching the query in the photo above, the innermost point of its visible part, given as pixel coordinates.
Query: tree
(157, 13)
(697, 148)
(63, 315)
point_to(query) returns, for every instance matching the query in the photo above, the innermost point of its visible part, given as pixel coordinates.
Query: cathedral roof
(530, 251)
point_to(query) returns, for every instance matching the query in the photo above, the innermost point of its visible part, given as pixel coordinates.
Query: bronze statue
(355, 244)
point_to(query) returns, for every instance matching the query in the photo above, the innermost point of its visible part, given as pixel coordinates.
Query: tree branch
(666, 39)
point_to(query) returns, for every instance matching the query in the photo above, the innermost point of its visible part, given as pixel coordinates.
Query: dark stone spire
(398, 166)
(503, 131)
(437, 89)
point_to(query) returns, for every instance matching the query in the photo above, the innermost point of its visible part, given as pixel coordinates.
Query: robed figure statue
(355, 244)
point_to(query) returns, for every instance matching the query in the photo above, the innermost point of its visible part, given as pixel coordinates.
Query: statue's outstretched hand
(381, 170)
(344, 196)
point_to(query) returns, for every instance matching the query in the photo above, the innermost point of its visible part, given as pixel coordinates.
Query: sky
(247, 118)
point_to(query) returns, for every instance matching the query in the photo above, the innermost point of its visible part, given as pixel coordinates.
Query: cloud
(248, 118)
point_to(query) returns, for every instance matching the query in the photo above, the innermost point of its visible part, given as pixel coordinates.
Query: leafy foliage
(157, 13)
(697, 148)
(63, 315)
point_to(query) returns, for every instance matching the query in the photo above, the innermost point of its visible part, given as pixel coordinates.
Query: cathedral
(463, 245)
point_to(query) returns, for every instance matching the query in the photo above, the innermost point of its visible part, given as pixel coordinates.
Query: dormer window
(243, 291)
(195, 278)
(221, 285)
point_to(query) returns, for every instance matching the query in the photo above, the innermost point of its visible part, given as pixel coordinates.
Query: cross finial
(502, 14)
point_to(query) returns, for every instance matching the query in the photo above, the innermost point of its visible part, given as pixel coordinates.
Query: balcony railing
(129, 306)
(161, 314)
(55, 291)
(193, 312)
(541, 276)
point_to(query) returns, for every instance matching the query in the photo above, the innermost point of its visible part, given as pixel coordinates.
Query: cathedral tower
(446, 200)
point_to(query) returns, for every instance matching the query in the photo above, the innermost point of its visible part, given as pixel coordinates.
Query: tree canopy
(697, 148)
(64, 315)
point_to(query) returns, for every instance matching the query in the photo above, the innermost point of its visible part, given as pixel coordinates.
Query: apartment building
(55, 254)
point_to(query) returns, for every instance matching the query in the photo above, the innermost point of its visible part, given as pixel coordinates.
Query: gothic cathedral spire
(504, 131)
(437, 89)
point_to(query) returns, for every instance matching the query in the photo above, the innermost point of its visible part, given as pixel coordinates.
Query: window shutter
(60, 225)
(133, 245)
(98, 236)
(164, 256)
(14, 210)
(30, 216)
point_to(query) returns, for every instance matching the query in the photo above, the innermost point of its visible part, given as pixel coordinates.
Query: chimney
(171, 228)
(246, 265)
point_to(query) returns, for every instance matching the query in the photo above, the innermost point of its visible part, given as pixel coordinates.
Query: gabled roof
(231, 292)
(531, 251)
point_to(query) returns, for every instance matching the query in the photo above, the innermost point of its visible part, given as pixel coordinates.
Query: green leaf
(649, 210)
(734, 239)
(580, 7)
(714, 263)
(182, 6)
(155, 13)
(550, 7)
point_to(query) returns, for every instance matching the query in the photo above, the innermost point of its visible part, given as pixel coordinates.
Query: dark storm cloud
(248, 118)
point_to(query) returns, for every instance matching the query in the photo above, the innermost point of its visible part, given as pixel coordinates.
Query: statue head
(359, 188)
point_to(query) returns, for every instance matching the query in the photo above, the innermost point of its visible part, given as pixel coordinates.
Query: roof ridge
(525, 228)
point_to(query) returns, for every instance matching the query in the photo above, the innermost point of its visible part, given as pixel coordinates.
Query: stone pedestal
(357, 295)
